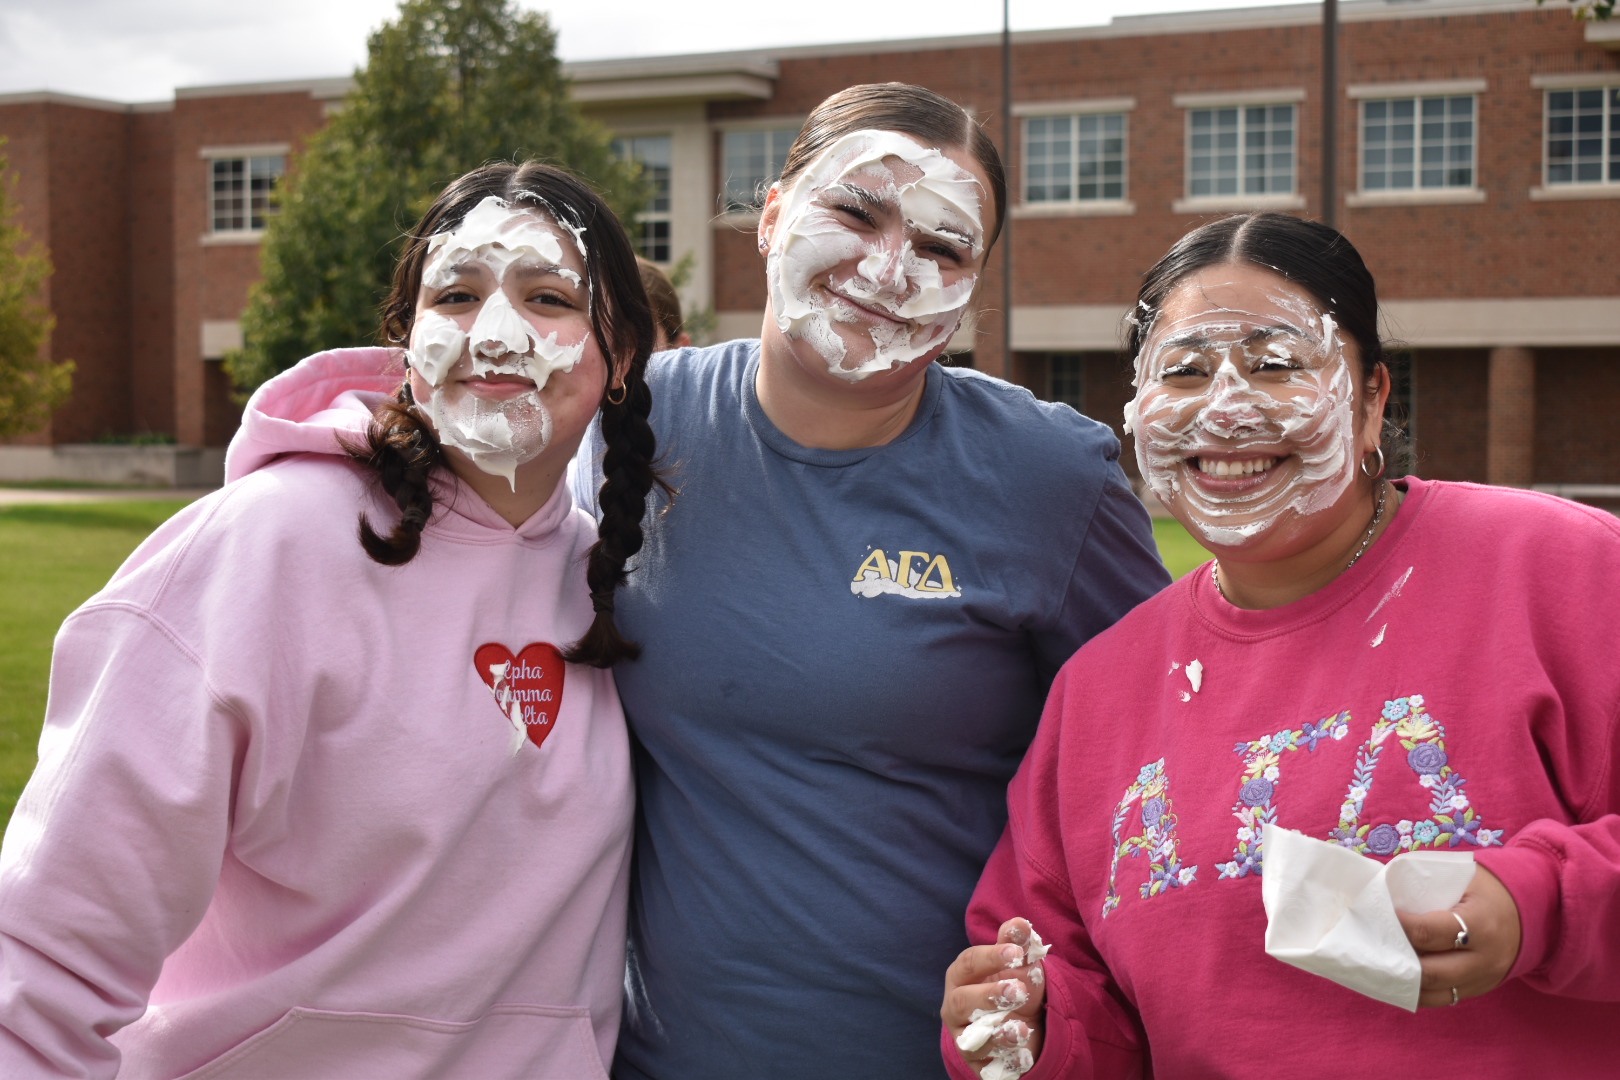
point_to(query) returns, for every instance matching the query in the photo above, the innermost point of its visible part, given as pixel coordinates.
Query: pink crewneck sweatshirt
(1455, 690)
(284, 824)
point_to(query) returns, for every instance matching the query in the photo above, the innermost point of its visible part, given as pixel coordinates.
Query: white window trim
(1416, 197)
(1209, 204)
(236, 237)
(1282, 96)
(643, 131)
(1576, 80)
(1575, 189)
(1420, 196)
(1091, 208)
(1432, 88)
(211, 153)
(1122, 207)
(1074, 108)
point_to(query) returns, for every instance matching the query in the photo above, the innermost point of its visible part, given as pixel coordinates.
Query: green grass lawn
(1179, 550)
(52, 558)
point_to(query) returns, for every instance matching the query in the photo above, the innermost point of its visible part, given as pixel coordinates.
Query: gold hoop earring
(624, 392)
(1380, 471)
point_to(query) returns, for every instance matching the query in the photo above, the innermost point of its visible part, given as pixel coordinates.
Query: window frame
(1609, 83)
(247, 233)
(1361, 196)
(651, 216)
(1077, 111)
(772, 130)
(1241, 100)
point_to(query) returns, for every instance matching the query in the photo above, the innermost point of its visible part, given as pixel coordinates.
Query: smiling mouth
(865, 309)
(1233, 468)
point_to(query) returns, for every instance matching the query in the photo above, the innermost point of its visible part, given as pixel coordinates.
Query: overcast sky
(140, 50)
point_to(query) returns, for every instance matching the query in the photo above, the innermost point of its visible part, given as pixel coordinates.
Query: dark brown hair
(403, 451)
(901, 107)
(1314, 256)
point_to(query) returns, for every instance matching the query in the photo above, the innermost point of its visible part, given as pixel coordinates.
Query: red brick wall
(87, 166)
(151, 257)
(211, 282)
(1449, 413)
(1577, 410)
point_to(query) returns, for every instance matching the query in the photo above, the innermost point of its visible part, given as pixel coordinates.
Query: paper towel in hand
(1331, 912)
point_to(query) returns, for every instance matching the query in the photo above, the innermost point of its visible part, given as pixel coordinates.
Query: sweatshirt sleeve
(116, 844)
(1116, 568)
(1565, 879)
(1091, 1032)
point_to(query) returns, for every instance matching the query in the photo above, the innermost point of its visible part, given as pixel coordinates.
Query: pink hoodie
(283, 823)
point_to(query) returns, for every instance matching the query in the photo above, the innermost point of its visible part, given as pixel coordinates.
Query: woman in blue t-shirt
(849, 616)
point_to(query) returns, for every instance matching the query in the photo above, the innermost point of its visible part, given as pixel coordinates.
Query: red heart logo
(528, 687)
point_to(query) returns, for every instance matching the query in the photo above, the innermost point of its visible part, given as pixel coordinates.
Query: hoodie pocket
(521, 1042)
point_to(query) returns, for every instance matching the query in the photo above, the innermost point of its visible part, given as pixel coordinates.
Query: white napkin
(1331, 912)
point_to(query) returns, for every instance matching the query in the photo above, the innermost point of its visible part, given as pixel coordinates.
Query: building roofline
(320, 89)
(1300, 14)
(55, 97)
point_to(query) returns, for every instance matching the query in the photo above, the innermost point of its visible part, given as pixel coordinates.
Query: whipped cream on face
(916, 310)
(1275, 382)
(498, 434)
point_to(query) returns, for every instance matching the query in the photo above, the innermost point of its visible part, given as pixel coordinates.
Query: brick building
(1478, 171)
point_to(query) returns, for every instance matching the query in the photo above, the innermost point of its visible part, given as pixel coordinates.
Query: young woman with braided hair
(313, 804)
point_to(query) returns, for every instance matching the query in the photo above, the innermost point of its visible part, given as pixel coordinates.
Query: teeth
(1223, 467)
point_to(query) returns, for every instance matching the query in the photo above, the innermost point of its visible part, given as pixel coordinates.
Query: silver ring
(1454, 995)
(1462, 935)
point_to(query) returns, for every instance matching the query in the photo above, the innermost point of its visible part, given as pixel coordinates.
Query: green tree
(447, 86)
(31, 385)
(1589, 9)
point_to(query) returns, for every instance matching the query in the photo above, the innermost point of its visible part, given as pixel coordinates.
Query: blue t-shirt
(844, 658)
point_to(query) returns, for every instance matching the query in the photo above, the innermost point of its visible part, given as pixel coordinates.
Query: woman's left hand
(1453, 970)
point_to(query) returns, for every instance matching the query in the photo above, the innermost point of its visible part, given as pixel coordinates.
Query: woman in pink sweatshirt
(1385, 665)
(319, 804)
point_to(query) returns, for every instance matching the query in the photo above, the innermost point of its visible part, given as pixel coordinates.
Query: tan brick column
(1511, 420)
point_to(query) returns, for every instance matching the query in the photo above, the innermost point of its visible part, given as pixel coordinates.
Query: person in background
(1382, 663)
(669, 327)
(334, 781)
(850, 616)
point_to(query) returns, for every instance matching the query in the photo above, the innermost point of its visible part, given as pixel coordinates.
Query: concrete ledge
(94, 463)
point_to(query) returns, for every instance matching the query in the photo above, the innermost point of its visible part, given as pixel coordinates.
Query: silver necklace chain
(1366, 542)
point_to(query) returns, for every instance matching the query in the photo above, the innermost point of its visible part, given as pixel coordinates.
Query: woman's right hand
(992, 982)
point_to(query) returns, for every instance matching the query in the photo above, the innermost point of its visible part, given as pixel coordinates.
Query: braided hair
(403, 452)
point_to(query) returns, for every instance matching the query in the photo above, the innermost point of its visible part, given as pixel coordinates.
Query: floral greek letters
(1258, 787)
(1452, 821)
(1157, 838)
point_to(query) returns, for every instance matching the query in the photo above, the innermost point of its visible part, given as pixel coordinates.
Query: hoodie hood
(311, 406)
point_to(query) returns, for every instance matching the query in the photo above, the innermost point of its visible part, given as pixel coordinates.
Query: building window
(654, 153)
(1066, 379)
(1074, 158)
(1583, 135)
(1417, 142)
(1240, 150)
(753, 161)
(239, 197)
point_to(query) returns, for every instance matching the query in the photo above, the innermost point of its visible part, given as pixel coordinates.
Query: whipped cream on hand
(1007, 1039)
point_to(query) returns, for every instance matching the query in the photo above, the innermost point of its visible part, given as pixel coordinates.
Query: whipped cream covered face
(1245, 407)
(504, 305)
(874, 252)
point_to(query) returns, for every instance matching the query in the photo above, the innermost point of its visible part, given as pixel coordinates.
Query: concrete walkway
(28, 496)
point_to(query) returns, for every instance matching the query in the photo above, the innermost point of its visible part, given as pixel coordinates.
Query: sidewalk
(28, 496)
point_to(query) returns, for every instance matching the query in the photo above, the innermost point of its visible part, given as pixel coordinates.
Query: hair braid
(403, 451)
(627, 476)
